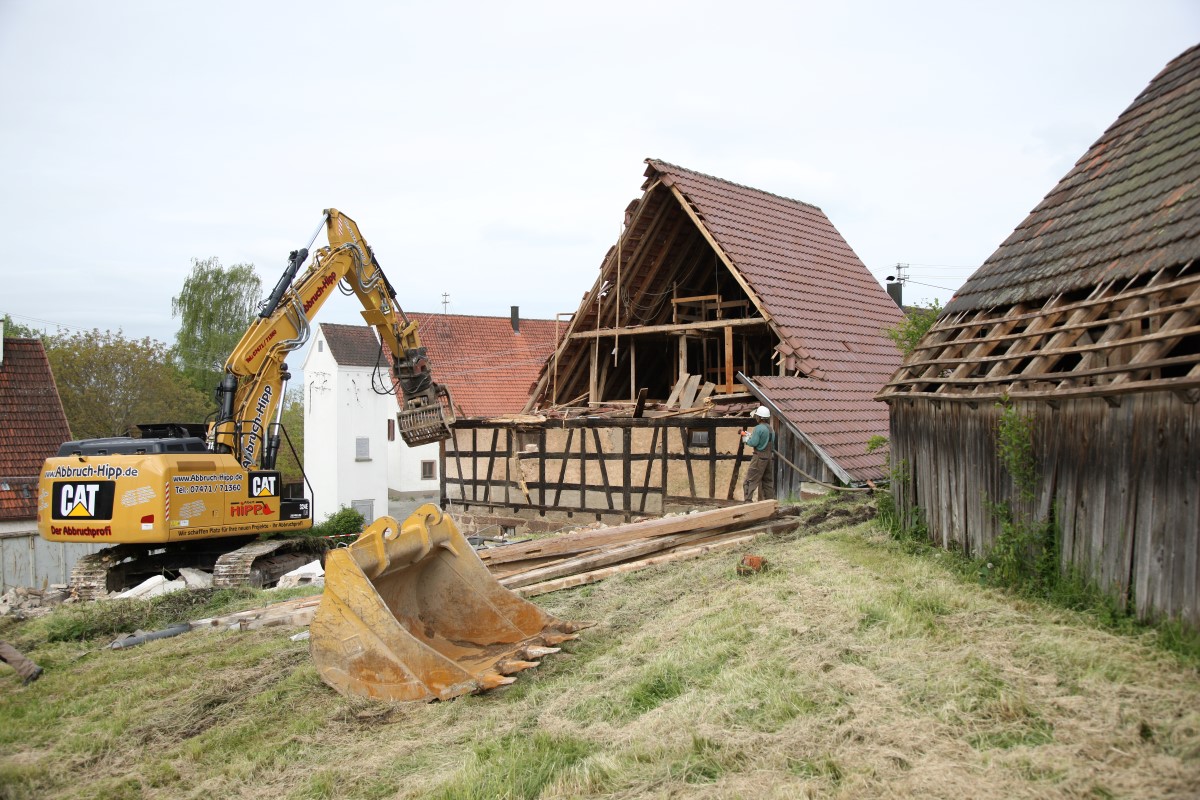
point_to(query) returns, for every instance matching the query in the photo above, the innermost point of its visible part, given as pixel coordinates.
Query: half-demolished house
(717, 297)
(1076, 347)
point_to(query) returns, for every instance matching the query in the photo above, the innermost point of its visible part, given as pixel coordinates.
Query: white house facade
(353, 453)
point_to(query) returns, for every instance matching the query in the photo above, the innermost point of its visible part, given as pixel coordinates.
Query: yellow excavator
(191, 495)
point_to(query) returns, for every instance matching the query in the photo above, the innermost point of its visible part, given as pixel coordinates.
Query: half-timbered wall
(609, 469)
(1122, 479)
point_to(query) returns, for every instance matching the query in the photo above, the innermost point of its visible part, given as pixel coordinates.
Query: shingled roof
(818, 307)
(1097, 292)
(488, 367)
(32, 424)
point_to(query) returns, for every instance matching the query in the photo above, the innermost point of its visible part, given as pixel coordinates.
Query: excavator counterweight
(411, 613)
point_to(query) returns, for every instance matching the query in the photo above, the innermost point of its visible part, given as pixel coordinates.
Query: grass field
(850, 668)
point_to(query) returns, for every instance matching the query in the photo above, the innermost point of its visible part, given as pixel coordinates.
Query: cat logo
(264, 484)
(83, 500)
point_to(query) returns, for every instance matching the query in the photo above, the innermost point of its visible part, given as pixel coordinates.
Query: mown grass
(852, 667)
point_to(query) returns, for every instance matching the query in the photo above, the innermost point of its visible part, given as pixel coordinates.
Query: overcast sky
(488, 150)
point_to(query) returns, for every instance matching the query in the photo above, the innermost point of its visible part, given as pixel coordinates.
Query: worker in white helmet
(761, 442)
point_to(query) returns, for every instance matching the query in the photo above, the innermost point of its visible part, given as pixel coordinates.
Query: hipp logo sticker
(83, 500)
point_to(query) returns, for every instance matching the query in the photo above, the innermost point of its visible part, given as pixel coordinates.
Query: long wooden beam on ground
(582, 541)
(600, 574)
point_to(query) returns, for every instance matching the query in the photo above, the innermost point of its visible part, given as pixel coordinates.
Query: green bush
(343, 522)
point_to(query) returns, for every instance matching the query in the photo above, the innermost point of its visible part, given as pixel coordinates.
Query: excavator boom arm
(256, 373)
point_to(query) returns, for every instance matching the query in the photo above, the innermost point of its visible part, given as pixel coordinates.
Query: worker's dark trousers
(12, 656)
(761, 476)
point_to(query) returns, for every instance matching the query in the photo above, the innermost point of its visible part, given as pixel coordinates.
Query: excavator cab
(409, 612)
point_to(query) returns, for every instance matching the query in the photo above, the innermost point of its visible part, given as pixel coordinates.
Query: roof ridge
(656, 161)
(478, 316)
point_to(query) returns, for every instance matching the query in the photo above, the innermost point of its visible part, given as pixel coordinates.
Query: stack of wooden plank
(575, 559)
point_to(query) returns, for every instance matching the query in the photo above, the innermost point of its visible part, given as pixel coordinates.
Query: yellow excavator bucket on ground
(411, 613)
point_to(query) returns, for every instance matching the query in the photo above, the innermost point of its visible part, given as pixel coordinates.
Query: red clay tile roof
(823, 301)
(840, 422)
(1130, 206)
(32, 424)
(489, 369)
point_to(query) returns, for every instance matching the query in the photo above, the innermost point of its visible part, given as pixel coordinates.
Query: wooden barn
(1084, 323)
(716, 297)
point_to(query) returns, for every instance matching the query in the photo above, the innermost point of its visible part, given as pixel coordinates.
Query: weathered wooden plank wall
(1123, 481)
(788, 480)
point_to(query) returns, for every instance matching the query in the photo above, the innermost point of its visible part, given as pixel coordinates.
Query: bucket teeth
(533, 651)
(558, 638)
(493, 680)
(514, 665)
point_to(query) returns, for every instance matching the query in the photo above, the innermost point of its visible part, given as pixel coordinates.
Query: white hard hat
(762, 411)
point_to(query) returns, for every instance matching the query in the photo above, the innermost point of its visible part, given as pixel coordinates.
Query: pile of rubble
(22, 602)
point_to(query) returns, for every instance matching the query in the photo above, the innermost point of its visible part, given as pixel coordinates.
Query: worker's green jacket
(761, 437)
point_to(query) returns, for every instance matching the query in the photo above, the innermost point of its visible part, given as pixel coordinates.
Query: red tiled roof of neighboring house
(488, 367)
(32, 424)
(824, 304)
(1130, 206)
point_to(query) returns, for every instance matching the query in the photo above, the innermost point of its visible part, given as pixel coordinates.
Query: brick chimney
(516, 319)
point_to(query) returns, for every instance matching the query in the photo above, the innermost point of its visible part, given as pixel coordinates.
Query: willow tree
(215, 307)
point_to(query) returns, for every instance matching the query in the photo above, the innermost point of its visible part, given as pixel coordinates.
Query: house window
(364, 507)
(362, 449)
(320, 347)
(428, 470)
(698, 437)
(391, 430)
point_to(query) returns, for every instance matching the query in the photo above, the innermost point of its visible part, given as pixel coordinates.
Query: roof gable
(691, 236)
(32, 424)
(821, 299)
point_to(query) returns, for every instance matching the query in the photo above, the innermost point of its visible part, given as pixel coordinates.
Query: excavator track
(89, 576)
(261, 564)
(256, 563)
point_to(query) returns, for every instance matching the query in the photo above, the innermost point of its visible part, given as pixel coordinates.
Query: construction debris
(153, 586)
(751, 564)
(296, 613)
(23, 602)
(311, 574)
(575, 559)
